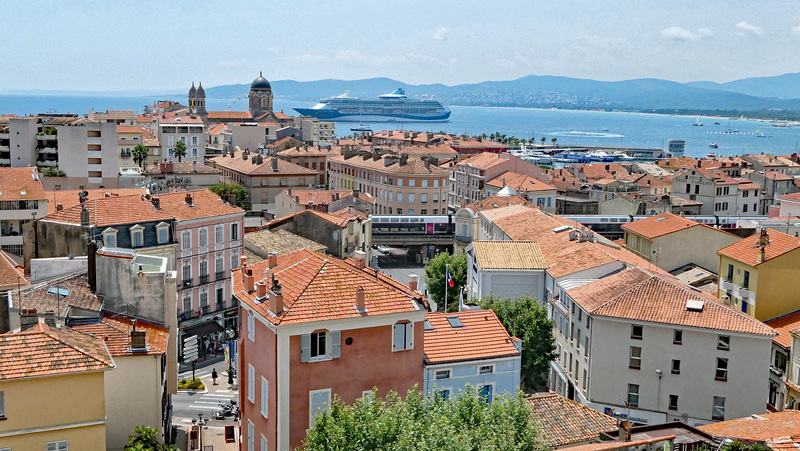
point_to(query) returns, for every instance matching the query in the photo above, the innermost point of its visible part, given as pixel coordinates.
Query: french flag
(450, 282)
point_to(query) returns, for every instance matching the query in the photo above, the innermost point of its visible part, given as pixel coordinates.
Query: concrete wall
(47, 268)
(504, 379)
(128, 292)
(133, 397)
(44, 239)
(698, 245)
(22, 137)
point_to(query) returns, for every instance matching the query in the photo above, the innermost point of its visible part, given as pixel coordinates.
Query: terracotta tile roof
(563, 421)
(10, 272)
(279, 241)
(520, 182)
(509, 255)
(205, 204)
(792, 197)
(46, 351)
(633, 444)
(786, 443)
(483, 160)
(130, 130)
(235, 163)
(775, 175)
(649, 180)
(108, 211)
(179, 120)
(747, 250)
(757, 428)
(495, 201)
(19, 184)
(310, 151)
(413, 166)
(316, 287)
(677, 163)
(216, 129)
(638, 295)
(281, 141)
(765, 160)
(69, 198)
(182, 167)
(748, 186)
(783, 325)
(659, 225)
(603, 170)
(316, 196)
(281, 115)
(115, 114)
(75, 293)
(115, 330)
(482, 336)
(339, 221)
(229, 115)
(349, 213)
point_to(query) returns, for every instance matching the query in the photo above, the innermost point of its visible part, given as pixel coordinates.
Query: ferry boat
(392, 107)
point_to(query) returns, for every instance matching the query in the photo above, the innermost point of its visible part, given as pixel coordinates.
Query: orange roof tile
(495, 201)
(633, 444)
(792, 197)
(46, 351)
(316, 287)
(235, 163)
(757, 428)
(482, 336)
(229, 115)
(115, 330)
(70, 198)
(658, 225)
(638, 295)
(316, 196)
(509, 255)
(108, 211)
(10, 272)
(310, 151)
(783, 325)
(182, 167)
(38, 296)
(337, 220)
(520, 182)
(747, 250)
(205, 204)
(563, 421)
(19, 184)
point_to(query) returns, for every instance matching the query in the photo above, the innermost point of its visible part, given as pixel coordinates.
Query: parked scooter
(227, 410)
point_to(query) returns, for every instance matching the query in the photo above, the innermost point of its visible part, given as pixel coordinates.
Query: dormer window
(162, 231)
(110, 237)
(137, 236)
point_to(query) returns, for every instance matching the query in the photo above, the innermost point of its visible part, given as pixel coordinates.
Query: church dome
(192, 91)
(200, 91)
(260, 83)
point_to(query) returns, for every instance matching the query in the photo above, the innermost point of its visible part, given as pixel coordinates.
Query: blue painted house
(470, 347)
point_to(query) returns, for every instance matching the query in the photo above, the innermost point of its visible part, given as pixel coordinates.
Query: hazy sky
(105, 45)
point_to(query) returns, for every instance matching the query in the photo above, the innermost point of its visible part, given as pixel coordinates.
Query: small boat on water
(716, 123)
(711, 155)
(697, 123)
(361, 129)
(714, 145)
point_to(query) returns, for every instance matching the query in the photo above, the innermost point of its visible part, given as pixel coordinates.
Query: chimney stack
(275, 164)
(361, 305)
(272, 260)
(249, 281)
(261, 289)
(624, 431)
(243, 261)
(275, 297)
(189, 199)
(413, 281)
(91, 250)
(28, 317)
(361, 259)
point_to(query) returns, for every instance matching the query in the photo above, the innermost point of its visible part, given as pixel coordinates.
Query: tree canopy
(463, 422)
(231, 188)
(146, 439)
(180, 150)
(435, 279)
(140, 154)
(525, 319)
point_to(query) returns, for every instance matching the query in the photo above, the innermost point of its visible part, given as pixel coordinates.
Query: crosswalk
(211, 400)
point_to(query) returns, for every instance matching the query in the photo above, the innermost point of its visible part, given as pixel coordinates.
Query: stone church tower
(197, 100)
(260, 96)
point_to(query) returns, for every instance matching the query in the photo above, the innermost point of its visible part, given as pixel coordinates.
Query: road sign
(190, 343)
(189, 357)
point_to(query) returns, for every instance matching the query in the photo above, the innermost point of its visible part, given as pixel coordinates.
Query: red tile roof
(495, 201)
(10, 273)
(633, 444)
(509, 255)
(520, 182)
(235, 163)
(563, 421)
(46, 351)
(229, 115)
(205, 204)
(316, 287)
(659, 225)
(482, 336)
(116, 329)
(637, 295)
(19, 184)
(757, 428)
(748, 251)
(783, 325)
(108, 211)
(316, 196)
(182, 167)
(69, 198)
(39, 297)
(309, 151)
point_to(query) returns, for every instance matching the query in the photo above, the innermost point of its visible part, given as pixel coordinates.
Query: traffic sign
(190, 344)
(189, 357)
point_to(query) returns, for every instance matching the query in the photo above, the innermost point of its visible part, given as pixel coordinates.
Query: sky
(143, 45)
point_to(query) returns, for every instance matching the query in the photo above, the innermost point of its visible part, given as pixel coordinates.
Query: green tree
(525, 319)
(543, 140)
(465, 421)
(179, 150)
(435, 279)
(232, 188)
(140, 154)
(146, 439)
(553, 140)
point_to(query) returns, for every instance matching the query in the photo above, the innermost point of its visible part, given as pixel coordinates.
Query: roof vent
(695, 305)
(660, 219)
(562, 228)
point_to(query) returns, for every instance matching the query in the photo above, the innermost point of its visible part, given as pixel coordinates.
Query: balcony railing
(187, 282)
(219, 275)
(203, 278)
(205, 309)
(464, 238)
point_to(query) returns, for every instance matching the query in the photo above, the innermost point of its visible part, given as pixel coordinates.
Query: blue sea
(576, 128)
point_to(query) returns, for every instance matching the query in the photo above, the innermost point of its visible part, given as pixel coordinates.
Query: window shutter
(305, 347)
(409, 336)
(336, 344)
(399, 339)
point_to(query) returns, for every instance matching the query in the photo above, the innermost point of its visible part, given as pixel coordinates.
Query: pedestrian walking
(214, 375)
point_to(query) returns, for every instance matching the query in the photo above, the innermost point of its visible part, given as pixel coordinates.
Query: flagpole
(446, 283)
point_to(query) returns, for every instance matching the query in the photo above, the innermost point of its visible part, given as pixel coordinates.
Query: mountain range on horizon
(774, 95)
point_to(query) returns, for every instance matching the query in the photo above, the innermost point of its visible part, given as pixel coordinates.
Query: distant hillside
(786, 86)
(559, 92)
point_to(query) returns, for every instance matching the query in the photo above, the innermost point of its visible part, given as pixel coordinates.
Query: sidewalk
(201, 363)
(213, 436)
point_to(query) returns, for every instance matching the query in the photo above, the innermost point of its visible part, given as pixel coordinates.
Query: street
(187, 405)
(400, 270)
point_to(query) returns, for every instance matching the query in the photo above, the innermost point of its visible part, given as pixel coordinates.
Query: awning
(203, 329)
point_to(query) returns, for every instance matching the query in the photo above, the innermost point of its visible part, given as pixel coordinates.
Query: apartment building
(649, 350)
(467, 221)
(128, 137)
(505, 269)
(720, 193)
(541, 194)
(469, 176)
(313, 327)
(190, 130)
(315, 158)
(399, 184)
(22, 199)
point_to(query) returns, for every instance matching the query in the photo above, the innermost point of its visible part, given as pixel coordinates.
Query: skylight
(454, 321)
(660, 219)
(428, 325)
(695, 305)
(58, 291)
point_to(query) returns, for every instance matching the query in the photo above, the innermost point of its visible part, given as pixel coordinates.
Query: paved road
(186, 406)
(401, 271)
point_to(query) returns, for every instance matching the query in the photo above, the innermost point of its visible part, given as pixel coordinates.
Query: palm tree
(140, 154)
(180, 150)
(554, 141)
(543, 140)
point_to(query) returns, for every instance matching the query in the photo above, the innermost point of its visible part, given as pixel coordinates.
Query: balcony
(48, 150)
(727, 286)
(219, 275)
(47, 163)
(203, 279)
(187, 282)
(46, 137)
(205, 309)
(125, 154)
(464, 238)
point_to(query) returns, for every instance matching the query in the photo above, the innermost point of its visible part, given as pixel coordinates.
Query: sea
(569, 127)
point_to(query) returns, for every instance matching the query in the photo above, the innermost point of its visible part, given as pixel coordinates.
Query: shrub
(193, 384)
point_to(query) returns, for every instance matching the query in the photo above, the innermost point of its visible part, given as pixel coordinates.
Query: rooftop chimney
(138, 342)
(189, 199)
(413, 281)
(261, 289)
(28, 317)
(249, 281)
(361, 305)
(59, 207)
(84, 216)
(361, 259)
(275, 297)
(91, 272)
(156, 202)
(272, 260)
(274, 164)
(624, 431)
(243, 261)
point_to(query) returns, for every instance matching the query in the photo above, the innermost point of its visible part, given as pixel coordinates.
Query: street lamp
(231, 340)
(200, 422)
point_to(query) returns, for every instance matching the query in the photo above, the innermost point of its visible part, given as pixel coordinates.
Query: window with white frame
(137, 236)
(251, 383)
(411, 182)
(162, 232)
(204, 299)
(187, 302)
(171, 140)
(411, 198)
(61, 445)
(320, 345)
(251, 434)
(318, 401)
(402, 336)
(264, 443)
(234, 260)
(219, 263)
(264, 397)
(203, 237)
(424, 183)
(718, 410)
(722, 369)
(218, 234)
(203, 267)
(234, 231)
(424, 198)
(186, 271)
(186, 240)
(441, 374)
(485, 369)
(110, 237)
(251, 327)
(633, 395)
(635, 361)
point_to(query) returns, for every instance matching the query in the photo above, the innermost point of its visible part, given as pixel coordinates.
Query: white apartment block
(190, 130)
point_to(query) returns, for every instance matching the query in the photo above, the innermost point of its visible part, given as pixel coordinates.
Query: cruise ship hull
(335, 115)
